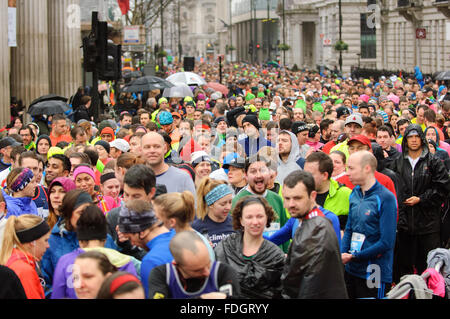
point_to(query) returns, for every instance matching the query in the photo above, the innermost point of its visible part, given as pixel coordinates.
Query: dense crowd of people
(281, 184)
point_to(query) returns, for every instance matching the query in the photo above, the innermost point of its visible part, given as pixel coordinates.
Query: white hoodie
(285, 168)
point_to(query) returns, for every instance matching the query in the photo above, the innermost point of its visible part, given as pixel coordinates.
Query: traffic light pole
(95, 105)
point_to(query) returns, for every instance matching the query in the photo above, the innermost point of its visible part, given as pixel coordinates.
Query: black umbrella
(147, 83)
(133, 74)
(49, 97)
(443, 76)
(48, 108)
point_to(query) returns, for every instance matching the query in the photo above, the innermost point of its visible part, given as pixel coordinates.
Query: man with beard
(192, 266)
(300, 129)
(257, 174)
(57, 166)
(254, 140)
(304, 275)
(353, 126)
(325, 130)
(289, 153)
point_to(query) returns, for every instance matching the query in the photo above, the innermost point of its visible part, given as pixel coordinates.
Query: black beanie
(252, 119)
(105, 145)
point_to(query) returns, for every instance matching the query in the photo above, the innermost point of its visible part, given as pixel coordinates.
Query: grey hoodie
(285, 168)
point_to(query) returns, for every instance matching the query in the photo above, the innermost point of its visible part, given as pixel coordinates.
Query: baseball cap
(8, 141)
(198, 157)
(362, 139)
(237, 162)
(354, 118)
(176, 114)
(120, 144)
(299, 126)
(413, 132)
(342, 110)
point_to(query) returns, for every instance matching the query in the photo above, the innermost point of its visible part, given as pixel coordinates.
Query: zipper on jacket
(412, 194)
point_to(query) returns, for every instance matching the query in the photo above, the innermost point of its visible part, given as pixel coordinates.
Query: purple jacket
(62, 278)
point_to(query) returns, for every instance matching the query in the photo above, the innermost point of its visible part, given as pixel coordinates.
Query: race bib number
(274, 227)
(357, 242)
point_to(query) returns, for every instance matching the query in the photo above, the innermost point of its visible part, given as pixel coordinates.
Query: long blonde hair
(204, 188)
(10, 239)
(180, 206)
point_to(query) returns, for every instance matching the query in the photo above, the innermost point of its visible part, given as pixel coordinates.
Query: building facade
(255, 30)
(388, 34)
(47, 55)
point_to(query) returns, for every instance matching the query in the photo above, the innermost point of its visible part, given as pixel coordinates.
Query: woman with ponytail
(177, 211)
(213, 210)
(24, 243)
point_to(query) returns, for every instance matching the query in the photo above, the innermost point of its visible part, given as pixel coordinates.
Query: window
(368, 39)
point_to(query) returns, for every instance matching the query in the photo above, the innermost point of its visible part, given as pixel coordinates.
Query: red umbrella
(218, 87)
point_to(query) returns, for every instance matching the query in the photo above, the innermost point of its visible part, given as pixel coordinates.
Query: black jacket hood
(418, 129)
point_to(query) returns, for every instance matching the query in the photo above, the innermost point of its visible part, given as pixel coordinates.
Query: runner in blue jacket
(369, 235)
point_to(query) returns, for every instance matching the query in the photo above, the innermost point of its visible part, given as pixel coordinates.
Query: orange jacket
(24, 266)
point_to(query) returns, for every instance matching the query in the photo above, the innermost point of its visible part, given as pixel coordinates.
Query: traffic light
(258, 46)
(100, 54)
(110, 67)
(110, 55)
(89, 54)
(250, 48)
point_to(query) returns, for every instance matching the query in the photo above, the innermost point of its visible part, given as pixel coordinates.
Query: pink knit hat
(83, 169)
(364, 97)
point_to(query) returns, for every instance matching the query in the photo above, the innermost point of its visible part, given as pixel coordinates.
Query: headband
(106, 177)
(203, 126)
(33, 233)
(116, 283)
(22, 180)
(217, 193)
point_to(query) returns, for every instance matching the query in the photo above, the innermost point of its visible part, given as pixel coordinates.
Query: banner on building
(447, 31)
(12, 27)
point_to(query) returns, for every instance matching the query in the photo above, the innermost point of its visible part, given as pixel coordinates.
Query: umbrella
(179, 90)
(443, 76)
(218, 87)
(274, 63)
(48, 108)
(147, 83)
(187, 78)
(133, 74)
(49, 97)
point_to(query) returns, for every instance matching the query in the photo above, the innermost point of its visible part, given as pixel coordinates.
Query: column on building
(29, 67)
(4, 66)
(64, 47)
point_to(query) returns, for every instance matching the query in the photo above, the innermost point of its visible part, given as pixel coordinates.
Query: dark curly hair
(247, 200)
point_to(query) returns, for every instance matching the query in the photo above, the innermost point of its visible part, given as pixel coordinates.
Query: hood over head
(418, 129)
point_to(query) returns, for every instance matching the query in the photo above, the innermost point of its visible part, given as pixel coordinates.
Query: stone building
(255, 30)
(47, 58)
(379, 34)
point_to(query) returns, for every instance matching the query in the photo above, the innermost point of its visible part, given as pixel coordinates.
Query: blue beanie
(165, 118)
